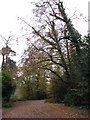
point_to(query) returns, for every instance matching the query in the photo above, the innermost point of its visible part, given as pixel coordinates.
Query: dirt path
(40, 109)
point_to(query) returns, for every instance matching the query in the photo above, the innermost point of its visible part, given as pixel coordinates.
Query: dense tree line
(64, 55)
(56, 65)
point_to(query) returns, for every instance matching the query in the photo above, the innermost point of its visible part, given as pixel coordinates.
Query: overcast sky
(11, 9)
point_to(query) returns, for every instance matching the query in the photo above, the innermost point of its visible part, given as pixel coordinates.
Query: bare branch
(54, 73)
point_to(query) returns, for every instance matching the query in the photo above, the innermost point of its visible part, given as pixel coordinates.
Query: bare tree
(6, 50)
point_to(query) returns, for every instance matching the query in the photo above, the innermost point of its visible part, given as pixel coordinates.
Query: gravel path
(40, 109)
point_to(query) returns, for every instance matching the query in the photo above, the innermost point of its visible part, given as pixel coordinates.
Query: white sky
(11, 9)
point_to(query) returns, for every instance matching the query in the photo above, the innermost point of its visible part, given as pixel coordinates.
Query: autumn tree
(63, 48)
(33, 77)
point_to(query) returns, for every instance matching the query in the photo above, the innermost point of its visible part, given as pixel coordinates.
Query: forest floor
(41, 109)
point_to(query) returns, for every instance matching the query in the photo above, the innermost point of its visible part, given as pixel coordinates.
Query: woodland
(55, 66)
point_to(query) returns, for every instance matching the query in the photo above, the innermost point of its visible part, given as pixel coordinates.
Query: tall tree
(63, 48)
(7, 77)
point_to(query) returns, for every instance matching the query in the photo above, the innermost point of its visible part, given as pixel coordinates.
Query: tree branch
(54, 73)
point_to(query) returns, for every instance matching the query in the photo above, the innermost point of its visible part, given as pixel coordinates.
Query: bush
(14, 98)
(7, 104)
(7, 87)
(69, 99)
